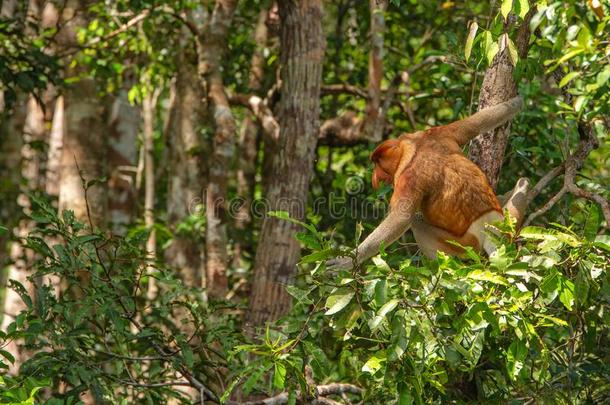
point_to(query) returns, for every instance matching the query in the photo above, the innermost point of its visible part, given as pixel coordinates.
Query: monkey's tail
(485, 120)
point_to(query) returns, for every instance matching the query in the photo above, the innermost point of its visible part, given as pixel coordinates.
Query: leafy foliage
(24, 65)
(101, 333)
(529, 322)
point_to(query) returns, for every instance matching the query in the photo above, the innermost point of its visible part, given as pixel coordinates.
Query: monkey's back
(455, 190)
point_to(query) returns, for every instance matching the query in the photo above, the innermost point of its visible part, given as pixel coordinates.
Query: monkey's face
(386, 158)
(380, 175)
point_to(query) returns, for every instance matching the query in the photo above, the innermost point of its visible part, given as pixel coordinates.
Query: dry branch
(587, 142)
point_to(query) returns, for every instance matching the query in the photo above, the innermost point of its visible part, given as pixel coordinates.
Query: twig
(155, 385)
(319, 391)
(123, 28)
(145, 13)
(543, 182)
(188, 24)
(344, 88)
(550, 204)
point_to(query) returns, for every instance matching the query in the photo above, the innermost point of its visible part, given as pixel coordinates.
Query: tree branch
(319, 391)
(587, 142)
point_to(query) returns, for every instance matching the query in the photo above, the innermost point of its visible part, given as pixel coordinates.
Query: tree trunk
(148, 111)
(212, 45)
(487, 150)
(248, 143)
(10, 159)
(186, 178)
(21, 259)
(55, 148)
(123, 124)
(9, 8)
(301, 56)
(84, 146)
(377, 8)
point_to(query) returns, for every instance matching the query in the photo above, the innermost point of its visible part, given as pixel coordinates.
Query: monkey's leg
(516, 200)
(431, 239)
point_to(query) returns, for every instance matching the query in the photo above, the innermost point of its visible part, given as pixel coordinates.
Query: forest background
(174, 173)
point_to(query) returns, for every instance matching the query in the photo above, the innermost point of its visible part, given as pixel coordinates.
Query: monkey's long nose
(375, 180)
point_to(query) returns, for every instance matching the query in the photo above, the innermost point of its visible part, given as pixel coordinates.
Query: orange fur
(453, 191)
(430, 175)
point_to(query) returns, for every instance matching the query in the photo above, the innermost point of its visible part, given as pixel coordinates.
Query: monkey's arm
(483, 121)
(389, 230)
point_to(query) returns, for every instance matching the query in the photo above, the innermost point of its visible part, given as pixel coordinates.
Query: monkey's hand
(339, 263)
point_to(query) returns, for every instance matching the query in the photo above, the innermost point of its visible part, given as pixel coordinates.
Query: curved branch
(320, 391)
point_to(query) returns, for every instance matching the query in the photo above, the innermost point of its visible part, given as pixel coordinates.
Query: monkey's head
(386, 158)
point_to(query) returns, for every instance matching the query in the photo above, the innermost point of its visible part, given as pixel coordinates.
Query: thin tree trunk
(377, 9)
(487, 150)
(10, 159)
(21, 259)
(212, 45)
(301, 57)
(249, 142)
(123, 128)
(84, 146)
(54, 155)
(148, 112)
(55, 148)
(187, 175)
(9, 8)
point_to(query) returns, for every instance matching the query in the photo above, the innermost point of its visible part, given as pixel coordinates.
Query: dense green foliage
(529, 324)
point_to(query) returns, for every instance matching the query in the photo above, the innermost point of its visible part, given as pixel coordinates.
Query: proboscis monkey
(440, 194)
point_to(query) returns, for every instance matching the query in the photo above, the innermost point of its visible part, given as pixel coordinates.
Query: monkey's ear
(485, 120)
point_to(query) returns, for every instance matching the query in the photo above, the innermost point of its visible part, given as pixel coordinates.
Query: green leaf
(472, 33)
(372, 365)
(309, 240)
(380, 263)
(592, 222)
(568, 78)
(550, 283)
(300, 295)
(279, 376)
(537, 19)
(507, 6)
(515, 358)
(491, 47)
(388, 307)
(336, 302)
(580, 103)
(512, 51)
(603, 76)
(570, 55)
(383, 311)
(485, 275)
(319, 256)
(286, 216)
(523, 7)
(553, 319)
(404, 395)
(566, 295)
(7, 356)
